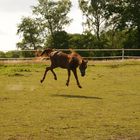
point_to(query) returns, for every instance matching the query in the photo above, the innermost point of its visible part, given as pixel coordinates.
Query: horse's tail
(46, 52)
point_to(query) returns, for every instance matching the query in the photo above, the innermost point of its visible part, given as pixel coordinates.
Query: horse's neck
(74, 54)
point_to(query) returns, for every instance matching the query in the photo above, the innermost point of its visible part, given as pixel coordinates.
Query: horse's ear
(85, 61)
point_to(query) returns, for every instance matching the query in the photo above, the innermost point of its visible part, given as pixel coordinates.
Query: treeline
(17, 54)
(107, 24)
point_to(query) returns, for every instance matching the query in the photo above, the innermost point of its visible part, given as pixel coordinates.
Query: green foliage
(114, 39)
(132, 40)
(93, 11)
(107, 24)
(53, 16)
(60, 42)
(12, 54)
(2, 54)
(124, 14)
(30, 30)
(84, 41)
(17, 54)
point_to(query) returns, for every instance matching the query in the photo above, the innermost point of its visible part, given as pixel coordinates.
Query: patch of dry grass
(107, 107)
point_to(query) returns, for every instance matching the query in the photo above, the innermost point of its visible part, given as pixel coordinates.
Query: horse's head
(83, 67)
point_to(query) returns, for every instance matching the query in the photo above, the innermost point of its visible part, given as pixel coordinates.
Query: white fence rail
(123, 53)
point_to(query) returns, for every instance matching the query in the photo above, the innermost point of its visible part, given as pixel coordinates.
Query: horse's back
(59, 59)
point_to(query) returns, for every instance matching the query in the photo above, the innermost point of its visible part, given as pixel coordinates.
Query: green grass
(106, 108)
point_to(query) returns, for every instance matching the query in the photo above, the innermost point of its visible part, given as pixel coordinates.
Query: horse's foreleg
(68, 80)
(45, 73)
(55, 77)
(76, 77)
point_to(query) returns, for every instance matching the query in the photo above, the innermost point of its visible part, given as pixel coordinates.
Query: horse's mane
(75, 54)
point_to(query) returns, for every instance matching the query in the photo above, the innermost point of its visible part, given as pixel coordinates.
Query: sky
(11, 12)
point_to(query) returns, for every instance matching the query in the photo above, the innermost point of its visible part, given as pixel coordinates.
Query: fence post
(122, 53)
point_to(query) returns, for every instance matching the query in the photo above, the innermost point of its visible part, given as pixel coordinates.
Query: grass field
(106, 108)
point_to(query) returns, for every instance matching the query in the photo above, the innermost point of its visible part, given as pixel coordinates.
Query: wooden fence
(123, 54)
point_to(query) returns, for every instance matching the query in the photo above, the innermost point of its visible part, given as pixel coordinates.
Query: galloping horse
(66, 61)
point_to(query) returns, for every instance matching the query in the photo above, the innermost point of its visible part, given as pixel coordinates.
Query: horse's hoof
(67, 84)
(79, 86)
(55, 78)
(41, 81)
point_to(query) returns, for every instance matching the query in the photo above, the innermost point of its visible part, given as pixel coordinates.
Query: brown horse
(67, 61)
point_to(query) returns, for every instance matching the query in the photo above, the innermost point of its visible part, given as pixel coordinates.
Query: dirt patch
(15, 74)
(15, 87)
(4, 98)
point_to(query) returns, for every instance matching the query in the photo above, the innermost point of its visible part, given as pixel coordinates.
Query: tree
(125, 14)
(93, 11)
(53, 16)
(61, 40)
(30, 31)
(114, 41)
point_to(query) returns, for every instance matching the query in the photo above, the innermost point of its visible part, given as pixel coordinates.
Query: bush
(2, 54)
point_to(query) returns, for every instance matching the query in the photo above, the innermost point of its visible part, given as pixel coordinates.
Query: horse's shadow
(75, 96)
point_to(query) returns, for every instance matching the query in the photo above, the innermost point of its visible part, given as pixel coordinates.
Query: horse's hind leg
(55, 77)
(45, 73)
